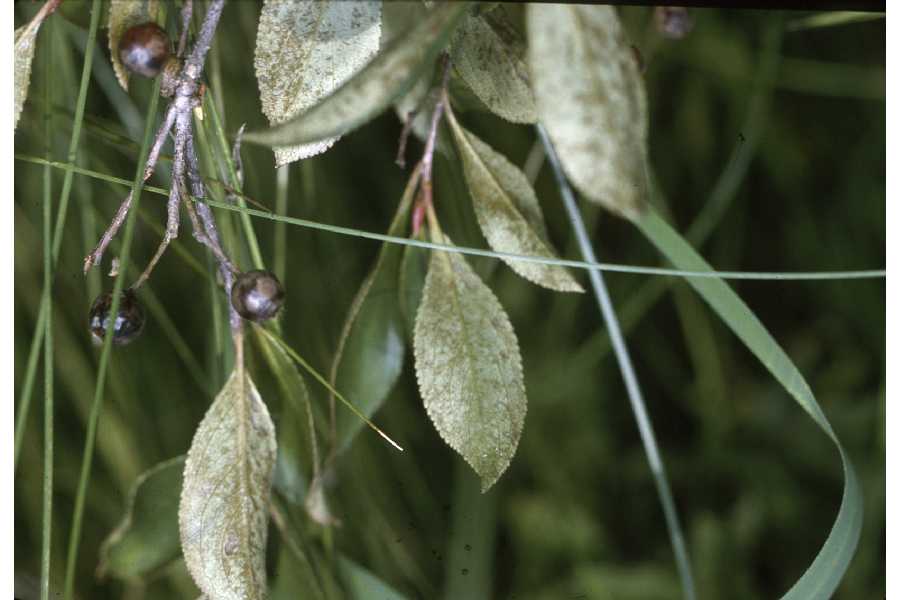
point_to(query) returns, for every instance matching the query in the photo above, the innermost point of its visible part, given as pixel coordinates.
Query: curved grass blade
(829, 566)
(374, 87)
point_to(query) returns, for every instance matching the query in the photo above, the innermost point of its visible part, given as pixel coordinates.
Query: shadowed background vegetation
(576, 515)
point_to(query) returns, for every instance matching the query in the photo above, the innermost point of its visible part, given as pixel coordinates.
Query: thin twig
(404, 137)
(186, 13)
(195, 61)
(428, 155)
(96, 255)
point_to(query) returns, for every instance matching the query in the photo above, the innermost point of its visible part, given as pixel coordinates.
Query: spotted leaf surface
(388, 75)
(224, 502)
(489, 56)
(590, 96)
(508, 211)
(468, 366)
(305, 51)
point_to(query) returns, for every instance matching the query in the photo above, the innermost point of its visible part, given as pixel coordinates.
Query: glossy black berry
(144, 49)
(257, 295)
(129, 321)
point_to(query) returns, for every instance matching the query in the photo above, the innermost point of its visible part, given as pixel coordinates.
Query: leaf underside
(305, 51)
(224, 502)
(374, 87)
(492, 63)
(590, 97)
(508, 211)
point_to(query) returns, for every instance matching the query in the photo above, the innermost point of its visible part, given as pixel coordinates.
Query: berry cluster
(257, 296)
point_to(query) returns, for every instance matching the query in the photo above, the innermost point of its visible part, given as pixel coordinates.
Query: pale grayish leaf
(490, 58)
(24, 39)
(305, 51)
(374, 87)
(508, 211)
(225, 499)
(122, 15)
(24, 49)
(468, 366)
(590, 96)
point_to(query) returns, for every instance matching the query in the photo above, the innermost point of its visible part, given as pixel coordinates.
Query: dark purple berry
(144, 49)
(129, 321)
(257, 295)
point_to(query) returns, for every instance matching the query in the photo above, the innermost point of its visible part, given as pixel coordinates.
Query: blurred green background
(576, 515)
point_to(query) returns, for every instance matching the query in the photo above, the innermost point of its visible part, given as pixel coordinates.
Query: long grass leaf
(829, 566)
(47, 492)
(577, 264)
(38, 337)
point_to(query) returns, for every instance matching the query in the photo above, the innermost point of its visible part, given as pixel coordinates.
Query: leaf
(413, 270)
(468, 366)
(122, 15)
(508, 211)
(590, 97)
(306, 50)
(225, 499)
(491, 60)
(361, 584)
(830, 564)
(372, 89)
(294, 464)
(369, 357)
(24, 40)
(147, 537)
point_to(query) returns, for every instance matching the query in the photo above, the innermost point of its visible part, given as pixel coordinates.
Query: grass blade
(47, 492)
(38, 337)
(645, 427)
(547, 260)
(829, 566)
(137, 187)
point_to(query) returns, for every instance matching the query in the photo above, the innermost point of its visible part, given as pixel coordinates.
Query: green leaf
(829, 566)
(361, 584)
(468, 366)
(305, 51)
(490, 57)
(386, 77)
(590, 97)
(413, 270)
(294, 464)
(147, 537)
(225, 498)
(122, 15)
(369, 356)
(508, 211)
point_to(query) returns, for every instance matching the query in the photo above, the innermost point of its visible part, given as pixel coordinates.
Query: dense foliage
(576, 513)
